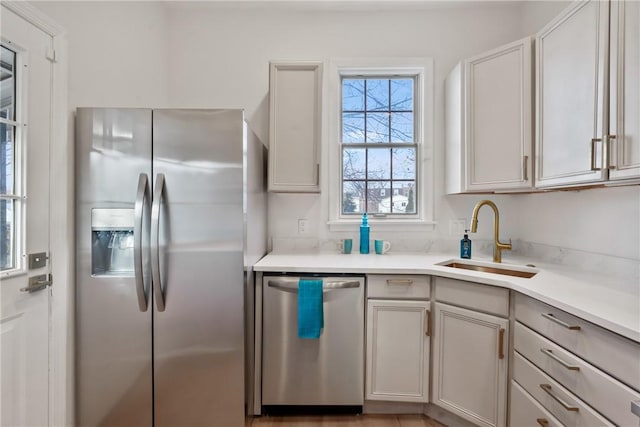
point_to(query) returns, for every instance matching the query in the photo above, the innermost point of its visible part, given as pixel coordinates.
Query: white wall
(200, 54)
(117, 52)
(226, 64)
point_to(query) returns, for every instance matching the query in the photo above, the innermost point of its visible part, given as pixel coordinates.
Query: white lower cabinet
(470, 364)
(397, 350)
(581, 373)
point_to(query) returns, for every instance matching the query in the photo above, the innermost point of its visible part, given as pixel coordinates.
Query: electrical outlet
(303, 226)
(457, 227)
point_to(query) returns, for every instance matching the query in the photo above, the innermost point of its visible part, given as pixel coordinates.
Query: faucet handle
(504, 246)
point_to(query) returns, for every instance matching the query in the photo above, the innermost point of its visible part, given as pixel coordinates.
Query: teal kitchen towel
(310, 312)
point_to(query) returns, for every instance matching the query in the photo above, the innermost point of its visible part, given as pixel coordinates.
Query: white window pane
(353, 163)
(377, 95)
(402, 95)
(352, 127)
(379, 163)
(7, 83)
(401, 127)
(404, 197)
(7, 234)
(377, 127)
(353, 95)
(378, 197)
(7, 158)
(404, 163)
(353, 196)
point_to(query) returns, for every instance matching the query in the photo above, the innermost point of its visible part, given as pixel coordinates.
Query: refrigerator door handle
(142, 202)
(155, 242)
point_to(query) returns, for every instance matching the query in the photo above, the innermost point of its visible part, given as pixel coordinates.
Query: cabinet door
(571, 71)
(295, 102)
(498, 118)
(397, 351)
(470, 364)
(624, 119)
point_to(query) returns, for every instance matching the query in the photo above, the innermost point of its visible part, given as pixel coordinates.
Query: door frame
(61, 332)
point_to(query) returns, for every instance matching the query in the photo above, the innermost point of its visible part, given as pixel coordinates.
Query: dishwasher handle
(292, 284)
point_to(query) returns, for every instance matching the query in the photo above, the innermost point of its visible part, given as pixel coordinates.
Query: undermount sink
(519, 272)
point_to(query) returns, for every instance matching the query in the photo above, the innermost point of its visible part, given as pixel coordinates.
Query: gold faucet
(498, 247)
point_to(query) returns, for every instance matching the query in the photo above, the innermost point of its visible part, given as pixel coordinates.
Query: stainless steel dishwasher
(327, 371)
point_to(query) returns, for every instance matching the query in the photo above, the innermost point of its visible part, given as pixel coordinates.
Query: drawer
(560, 402)
(490, 299)
(616, 355)
(398, 286)
(526, 411)
(606, 395)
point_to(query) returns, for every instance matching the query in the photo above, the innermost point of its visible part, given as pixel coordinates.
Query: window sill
(383, 225)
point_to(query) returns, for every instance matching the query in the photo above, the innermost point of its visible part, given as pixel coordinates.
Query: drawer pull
(560, 322)
(543, 422)
(501, 344)
(549, 353)
(565, 405)
(428, 323)
(399, 282)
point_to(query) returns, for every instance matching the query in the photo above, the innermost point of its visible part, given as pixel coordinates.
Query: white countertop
(586, 295)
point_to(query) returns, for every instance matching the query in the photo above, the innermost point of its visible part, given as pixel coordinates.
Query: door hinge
(51, 54)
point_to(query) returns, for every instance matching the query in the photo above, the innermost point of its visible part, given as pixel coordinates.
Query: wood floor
(346, 421)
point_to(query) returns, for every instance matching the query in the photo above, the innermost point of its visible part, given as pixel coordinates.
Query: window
(381, 142)
(378, 145)
(10, 200)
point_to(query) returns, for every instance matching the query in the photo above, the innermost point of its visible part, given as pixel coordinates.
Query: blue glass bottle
(364, 235)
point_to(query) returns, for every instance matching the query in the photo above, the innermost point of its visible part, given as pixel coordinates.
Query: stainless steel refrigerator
(171, 215)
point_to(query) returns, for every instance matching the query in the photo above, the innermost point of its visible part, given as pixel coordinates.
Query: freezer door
(113, 321)
(198, 321)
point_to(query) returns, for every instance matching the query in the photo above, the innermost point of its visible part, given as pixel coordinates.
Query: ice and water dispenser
(112, 242)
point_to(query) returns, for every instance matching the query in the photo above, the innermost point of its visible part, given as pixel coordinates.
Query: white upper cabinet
(295, 108)
(571, 73)
(488, 121)
(624, 119)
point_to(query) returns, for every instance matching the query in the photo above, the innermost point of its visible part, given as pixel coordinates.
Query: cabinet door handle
(501, 343)
(427, 326)
(610, 164)
(399, 282)
(525, 167)
(593, 154)
(543, 422)
(549, 353)
(560, 322)
(565, 405)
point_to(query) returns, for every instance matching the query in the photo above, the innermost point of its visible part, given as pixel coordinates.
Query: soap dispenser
(364, 235)
(465, 246)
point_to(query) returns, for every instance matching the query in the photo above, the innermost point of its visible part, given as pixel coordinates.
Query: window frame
(19, 195)
(423, 70)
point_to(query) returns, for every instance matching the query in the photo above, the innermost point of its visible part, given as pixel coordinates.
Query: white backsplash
(625, 269)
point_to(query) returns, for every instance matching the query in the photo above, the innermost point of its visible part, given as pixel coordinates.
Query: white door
(571, 60)
(25, 120)
(624, 120)
(470, 364)
(498, 118)
(397, 350)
